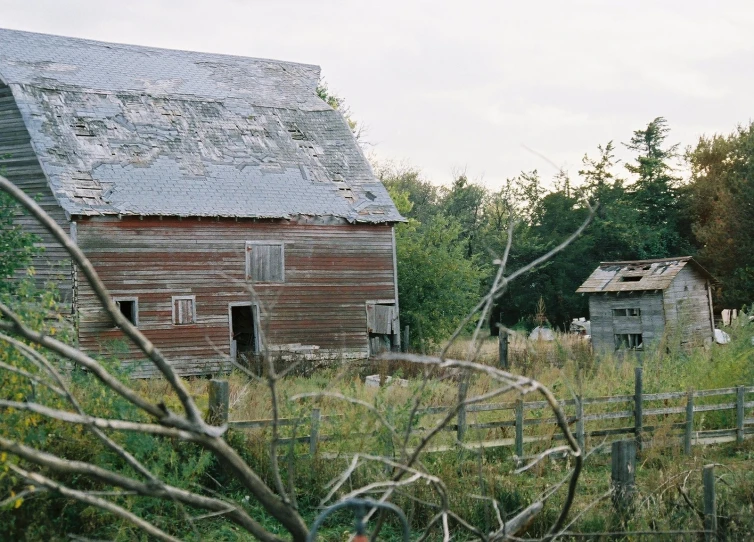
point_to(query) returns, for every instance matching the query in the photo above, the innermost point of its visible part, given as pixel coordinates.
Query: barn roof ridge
(132, 130)
(22, 49)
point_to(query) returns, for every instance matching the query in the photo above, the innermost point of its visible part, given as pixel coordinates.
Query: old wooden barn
(633, 304)
(188, 178)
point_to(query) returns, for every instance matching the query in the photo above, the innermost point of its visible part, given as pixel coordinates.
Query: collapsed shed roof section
(638, 275)
(122, 129)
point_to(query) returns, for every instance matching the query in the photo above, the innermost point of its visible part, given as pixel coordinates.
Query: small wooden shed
(222, 202)
(633, 304)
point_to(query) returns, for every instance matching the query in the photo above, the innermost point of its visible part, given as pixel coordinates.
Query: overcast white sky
(449, 85)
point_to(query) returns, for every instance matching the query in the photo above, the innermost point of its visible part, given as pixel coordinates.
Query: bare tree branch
(85, 497)
(234, 512)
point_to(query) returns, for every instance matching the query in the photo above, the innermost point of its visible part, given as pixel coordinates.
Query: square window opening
(627, 312)
(129, 308)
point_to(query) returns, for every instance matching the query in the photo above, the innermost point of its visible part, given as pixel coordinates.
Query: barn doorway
(244, 333)
(382, 326)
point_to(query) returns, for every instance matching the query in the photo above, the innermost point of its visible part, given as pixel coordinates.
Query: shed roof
(638, 275)
(124, 129)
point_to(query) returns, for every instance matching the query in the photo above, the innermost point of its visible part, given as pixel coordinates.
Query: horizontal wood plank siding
(331, 271)
(19, 164)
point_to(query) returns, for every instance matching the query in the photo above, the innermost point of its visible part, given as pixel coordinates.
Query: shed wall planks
(330, 274)
(687, 308)
(605, 325)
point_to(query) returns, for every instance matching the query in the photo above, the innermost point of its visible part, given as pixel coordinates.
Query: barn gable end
(221, 200)
(20, 165)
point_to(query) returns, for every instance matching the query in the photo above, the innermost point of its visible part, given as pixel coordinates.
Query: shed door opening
(244, 332)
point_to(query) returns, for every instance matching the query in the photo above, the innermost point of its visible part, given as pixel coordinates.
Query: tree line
(661, 203)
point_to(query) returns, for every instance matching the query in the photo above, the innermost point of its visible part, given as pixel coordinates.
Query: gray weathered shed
(187, 177)
(635, 303)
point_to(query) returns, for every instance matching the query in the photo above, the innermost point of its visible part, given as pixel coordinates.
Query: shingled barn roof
(638, 275)
(121, 129)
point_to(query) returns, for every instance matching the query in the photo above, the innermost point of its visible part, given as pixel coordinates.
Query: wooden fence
(589, 418)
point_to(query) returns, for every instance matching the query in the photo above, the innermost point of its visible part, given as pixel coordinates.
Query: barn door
(244, 333)
(382, 324)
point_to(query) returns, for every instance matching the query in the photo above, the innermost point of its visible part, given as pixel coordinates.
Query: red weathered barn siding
(330, 272)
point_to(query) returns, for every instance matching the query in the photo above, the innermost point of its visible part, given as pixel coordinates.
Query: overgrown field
(669, 483)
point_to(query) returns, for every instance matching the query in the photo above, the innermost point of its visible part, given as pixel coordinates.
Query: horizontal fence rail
(589, 418)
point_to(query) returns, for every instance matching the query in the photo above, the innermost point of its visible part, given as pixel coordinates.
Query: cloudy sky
(490, 87)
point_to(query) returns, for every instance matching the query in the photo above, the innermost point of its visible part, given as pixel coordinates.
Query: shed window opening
(627, 312)
(629, 341)
(184, 310)
(129, 308)
(630, 279)
(265, 262)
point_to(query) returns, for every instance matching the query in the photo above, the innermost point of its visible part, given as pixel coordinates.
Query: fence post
(710, 504)
(520, 428)
(219, 402)
(689, 423)
(406, 337)
(502, 349)
(623, 475)
(314, 432)
(638, 412)
(461, 427)
(580, 437)
(740, 395)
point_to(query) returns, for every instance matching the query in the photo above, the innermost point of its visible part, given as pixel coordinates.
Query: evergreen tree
(655, 193)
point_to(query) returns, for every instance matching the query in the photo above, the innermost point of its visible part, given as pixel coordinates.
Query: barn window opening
(184, 310)
(265, 261)
(630, 341)
(630, 279)
(129, 308)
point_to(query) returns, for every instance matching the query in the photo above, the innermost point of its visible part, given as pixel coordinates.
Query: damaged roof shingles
(122, 129)
(643, 275)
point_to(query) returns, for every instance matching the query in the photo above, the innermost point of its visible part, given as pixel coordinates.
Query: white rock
(721, 337)
(373, 381)
(542, 334)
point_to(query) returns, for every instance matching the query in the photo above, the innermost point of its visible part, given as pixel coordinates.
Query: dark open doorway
(243, 332)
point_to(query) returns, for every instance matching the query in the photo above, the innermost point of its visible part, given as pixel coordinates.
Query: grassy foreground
(669, 483)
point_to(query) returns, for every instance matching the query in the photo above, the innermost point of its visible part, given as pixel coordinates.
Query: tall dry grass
(568, 367)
